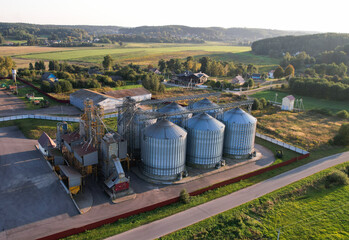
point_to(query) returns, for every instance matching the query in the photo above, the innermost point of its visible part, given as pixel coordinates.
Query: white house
(288, 103)
(271, 74)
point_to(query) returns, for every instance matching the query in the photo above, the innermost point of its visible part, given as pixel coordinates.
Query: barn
(107, 102)
(137, 94)
(288, 103)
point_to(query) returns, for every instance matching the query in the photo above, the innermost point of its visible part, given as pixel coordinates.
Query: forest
(311, 44)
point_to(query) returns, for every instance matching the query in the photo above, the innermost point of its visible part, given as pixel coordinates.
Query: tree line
(319, 88)
(312, 44)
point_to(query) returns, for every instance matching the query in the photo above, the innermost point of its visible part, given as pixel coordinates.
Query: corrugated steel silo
(205, 141)
(138, 126)
(240, 131)
(173, 107)
(205, 103)
(163, 150)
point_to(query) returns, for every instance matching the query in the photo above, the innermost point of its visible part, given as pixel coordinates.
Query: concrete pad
(29, 190)
(84, 200)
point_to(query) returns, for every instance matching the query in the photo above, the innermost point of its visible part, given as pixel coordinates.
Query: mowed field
(139, 53)
(308, 102)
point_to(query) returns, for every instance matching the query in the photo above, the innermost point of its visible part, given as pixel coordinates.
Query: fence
(44, 117)
(282, 144)
(97, 224)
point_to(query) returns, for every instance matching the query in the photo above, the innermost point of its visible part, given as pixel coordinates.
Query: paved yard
(29, 190)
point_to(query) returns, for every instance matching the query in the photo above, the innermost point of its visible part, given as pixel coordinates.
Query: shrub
(184, 196)
(263, 102)
(343, 114)
(336, 178)
(342, 138)
(256, 104)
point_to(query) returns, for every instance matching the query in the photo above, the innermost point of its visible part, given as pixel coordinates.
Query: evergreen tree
(107, 62)
(279, 72)
(289, 71)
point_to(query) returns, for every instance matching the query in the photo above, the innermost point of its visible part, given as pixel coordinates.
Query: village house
(188, 78)
(47, 76)
(238, 80)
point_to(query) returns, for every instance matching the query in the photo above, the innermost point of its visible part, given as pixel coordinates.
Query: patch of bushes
(336, 178)
(343, 114)
(184, 196)
(342, 138)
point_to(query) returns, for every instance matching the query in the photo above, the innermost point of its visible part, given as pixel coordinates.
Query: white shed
(288, 103)
(137, 94)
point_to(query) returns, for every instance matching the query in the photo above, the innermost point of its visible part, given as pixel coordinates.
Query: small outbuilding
(288, 103)
(46, 144)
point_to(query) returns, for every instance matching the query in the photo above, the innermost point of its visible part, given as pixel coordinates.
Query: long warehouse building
(109, 99)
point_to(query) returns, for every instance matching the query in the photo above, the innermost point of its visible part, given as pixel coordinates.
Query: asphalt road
(196, 214)
(29, 190)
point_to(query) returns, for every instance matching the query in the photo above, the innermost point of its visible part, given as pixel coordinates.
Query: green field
(137, 220)
(150, 53)
(33, 128)
(306, 209)
(308, 102)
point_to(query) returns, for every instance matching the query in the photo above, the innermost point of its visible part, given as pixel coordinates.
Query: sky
(305, 15)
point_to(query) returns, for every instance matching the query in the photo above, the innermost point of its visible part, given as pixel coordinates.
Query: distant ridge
(177, 31)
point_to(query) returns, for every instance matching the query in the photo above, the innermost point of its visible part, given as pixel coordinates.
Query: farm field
(306, 130)
(11, 51)
(140, 53)
(308, 102)
(307, 209)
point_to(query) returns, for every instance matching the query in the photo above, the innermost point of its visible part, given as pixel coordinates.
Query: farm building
(107, 102)
(190, 78)
(46, 144)
(49, 77)
(271, 74)
(256, 76)
(288, 103)
(137, 94)
(155, 70)
(238, 80)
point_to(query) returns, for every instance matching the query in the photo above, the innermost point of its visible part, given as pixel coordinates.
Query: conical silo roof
(238, 116)
(205, 122)
(164, 129)
(172, 107)
(204, 103)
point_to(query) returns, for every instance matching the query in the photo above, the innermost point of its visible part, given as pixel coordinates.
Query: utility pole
(279, 234)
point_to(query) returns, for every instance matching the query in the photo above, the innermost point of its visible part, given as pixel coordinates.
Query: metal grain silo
(174, 107)
(206, 103)
(163, 150)
(205, 141)
(138, 126)
(240, 131)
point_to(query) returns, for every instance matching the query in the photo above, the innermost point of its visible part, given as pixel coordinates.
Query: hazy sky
(313, 15)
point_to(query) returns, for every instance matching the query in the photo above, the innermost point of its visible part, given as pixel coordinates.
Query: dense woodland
(320, 88)
(312, 44)
(35, 33)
